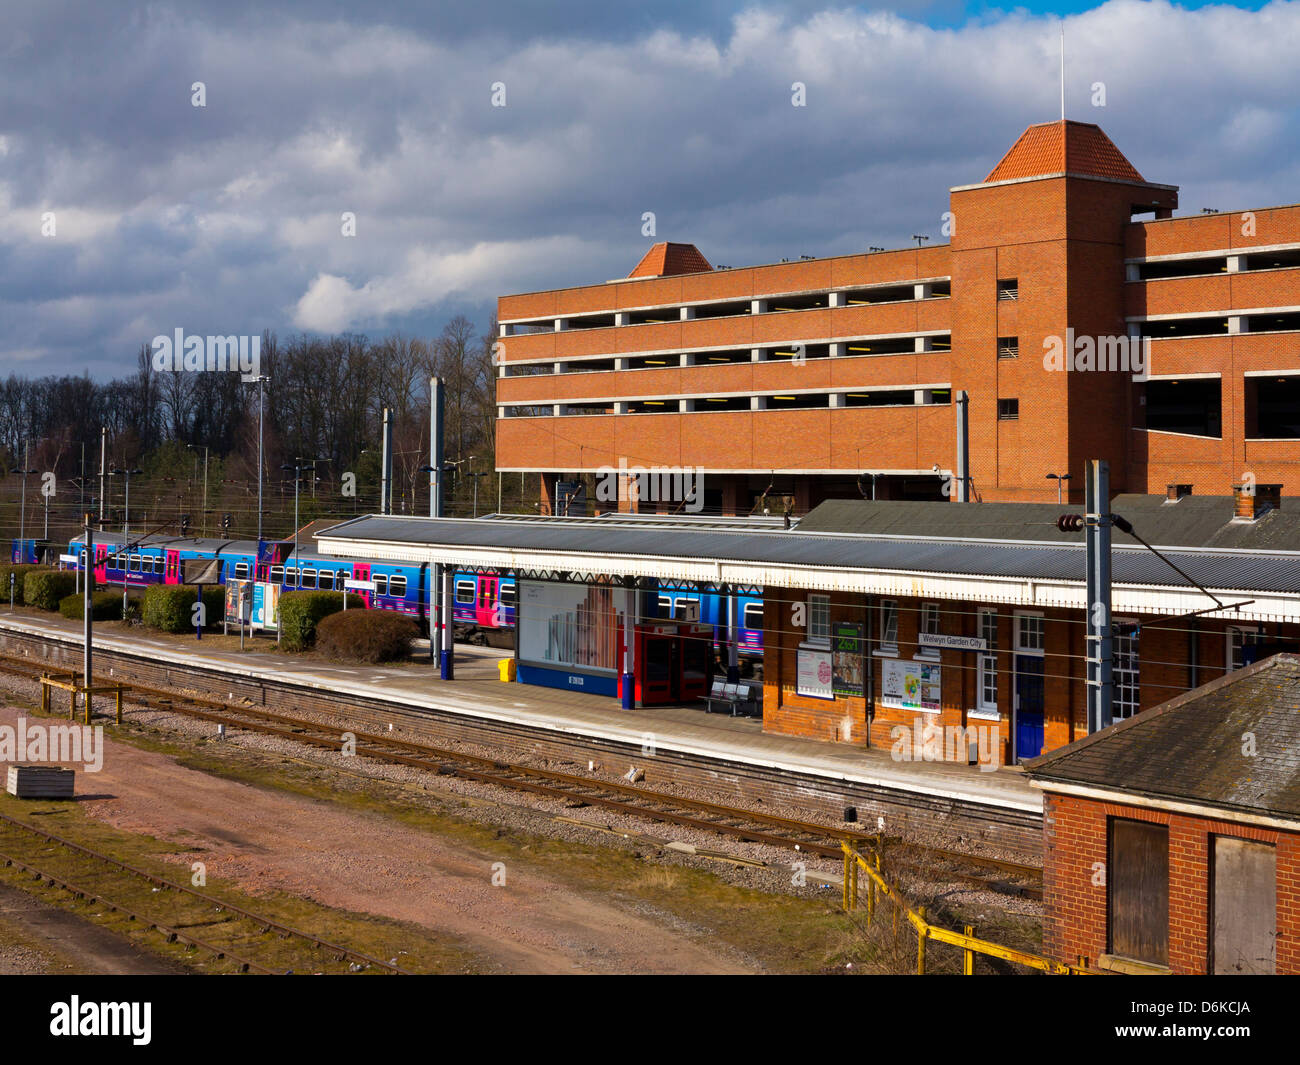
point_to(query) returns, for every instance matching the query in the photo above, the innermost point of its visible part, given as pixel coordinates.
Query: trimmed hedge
(20, 571)
(45, 588)
(300, 612)
(170, 607)
(365, 636)
(104, 606)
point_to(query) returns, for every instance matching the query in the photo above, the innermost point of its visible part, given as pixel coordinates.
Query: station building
(875, 633)
(1172, 841)
(795, 382)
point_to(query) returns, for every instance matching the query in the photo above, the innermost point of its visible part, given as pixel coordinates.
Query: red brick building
(795, 382)
(1172, 840)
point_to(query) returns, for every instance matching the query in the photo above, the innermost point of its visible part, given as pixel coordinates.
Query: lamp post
(476, 477)
(126, 513)
(195, 447)
(24, 473)
(260, 380)
(1059, 478)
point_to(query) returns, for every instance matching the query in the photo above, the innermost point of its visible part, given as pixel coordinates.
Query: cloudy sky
(228, 218)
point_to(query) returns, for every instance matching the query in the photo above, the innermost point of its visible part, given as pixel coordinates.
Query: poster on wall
(570, 625)
(815, 674)
(911, 685)
(846, 645)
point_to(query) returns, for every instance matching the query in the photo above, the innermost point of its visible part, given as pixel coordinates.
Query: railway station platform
(478, 693)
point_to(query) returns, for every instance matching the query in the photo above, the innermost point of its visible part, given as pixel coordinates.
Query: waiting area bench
(735, 699)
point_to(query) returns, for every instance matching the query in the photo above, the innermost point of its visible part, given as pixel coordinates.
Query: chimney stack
(1252, 502)
(1175, 492)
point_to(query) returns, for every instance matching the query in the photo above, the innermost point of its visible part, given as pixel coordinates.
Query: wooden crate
(40, 782)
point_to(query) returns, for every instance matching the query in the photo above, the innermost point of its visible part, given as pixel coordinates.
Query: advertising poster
(910, 685)
(815, 674)
(266, 597)
(570, 625)
(235, 594)
(846, 646)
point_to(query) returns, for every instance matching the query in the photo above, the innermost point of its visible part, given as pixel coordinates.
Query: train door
(173, 568)
(101, 563)
(485, 607)
(361, 572)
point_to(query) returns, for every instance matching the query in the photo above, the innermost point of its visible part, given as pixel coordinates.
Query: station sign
(359, 586)
(948, 642)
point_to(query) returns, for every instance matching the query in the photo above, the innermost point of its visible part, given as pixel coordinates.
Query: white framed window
(929, 625)
(508, 595)
(309, 578)
(381, 584)
(1124, 653)
(1239, 638)
(277, 574)
(888, 627)
(326, 579)
(465, 591)
(987, 702)
(753, 616)
(819, 619)
(291, 577)
(241, 571)
(1029, 633)
(397, 586)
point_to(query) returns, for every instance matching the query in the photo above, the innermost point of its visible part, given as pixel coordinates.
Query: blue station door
(1029, 706)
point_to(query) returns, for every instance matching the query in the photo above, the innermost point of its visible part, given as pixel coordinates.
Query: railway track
(232, 933)
(745, 825)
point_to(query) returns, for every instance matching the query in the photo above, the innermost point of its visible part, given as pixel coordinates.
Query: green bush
(44, 588)
(170, 607)
(104, 606)
(300, 612)
(365, 636)
(20, 572)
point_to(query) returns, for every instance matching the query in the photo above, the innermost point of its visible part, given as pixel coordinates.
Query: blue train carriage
(707, 607)
(401, 587)
(159, 559)
(484, 606)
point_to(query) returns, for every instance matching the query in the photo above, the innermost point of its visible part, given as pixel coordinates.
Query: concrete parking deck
(478, 693)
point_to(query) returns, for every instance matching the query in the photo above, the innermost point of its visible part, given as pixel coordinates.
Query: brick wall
(1075, 832)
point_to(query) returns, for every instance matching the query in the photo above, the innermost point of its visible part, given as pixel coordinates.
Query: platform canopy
(1018, 573)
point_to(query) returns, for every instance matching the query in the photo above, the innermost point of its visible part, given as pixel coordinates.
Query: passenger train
(484, 604)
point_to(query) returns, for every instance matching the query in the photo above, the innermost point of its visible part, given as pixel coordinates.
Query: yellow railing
(877, 885)
(68, 682)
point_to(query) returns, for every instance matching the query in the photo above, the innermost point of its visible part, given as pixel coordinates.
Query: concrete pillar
(924, 344)
(557, 411)
(505, 329)
(683, 359)
(688, 314)
(838, 299)
(620, 364)
(837, 349)
(447, 656)
(758, 403)
(557, 367)
(758, 355)
(1236, 263)
(620, 406)
(922, 291)
(837, 399)
(1133, 272)
(918, 396)
(758, 306)
(621, 317)
(685, 406)
(1237, 323)
(561, 324)
(733, 636)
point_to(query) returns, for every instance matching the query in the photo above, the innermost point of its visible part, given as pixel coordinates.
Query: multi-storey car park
(830, 378)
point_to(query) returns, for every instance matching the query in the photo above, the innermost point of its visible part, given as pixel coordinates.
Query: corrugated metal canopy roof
(593, 540)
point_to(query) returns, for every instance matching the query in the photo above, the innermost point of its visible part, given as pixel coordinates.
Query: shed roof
(1193, 748)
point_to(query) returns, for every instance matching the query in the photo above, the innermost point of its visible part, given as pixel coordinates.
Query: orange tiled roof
(1064, 147)
(666, 258)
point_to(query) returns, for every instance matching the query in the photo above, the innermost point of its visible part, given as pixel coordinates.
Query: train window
(465, 591)
(277, 574)
(397, 586)
(753, 616)
(241, 571)
(508, 595)
(135, 563)
(381, 583)
(326, 579)
(291, 577)
(309, 578)
(342, 577)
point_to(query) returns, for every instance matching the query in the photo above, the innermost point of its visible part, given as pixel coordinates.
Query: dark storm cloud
(228, 218)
